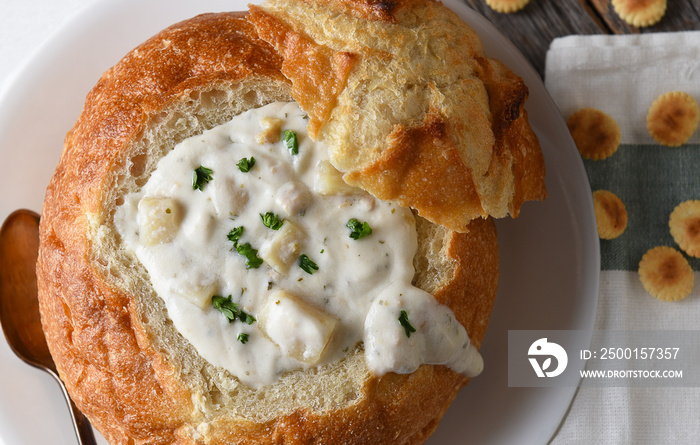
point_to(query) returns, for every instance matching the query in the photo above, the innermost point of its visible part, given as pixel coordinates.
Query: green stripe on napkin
(650, 180)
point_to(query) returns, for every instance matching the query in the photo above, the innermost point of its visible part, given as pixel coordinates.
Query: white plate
(549, 255)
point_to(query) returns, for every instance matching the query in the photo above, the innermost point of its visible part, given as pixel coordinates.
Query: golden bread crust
(114, 368)
(396, 88)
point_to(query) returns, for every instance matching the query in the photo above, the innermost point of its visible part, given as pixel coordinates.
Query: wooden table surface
(533, 28)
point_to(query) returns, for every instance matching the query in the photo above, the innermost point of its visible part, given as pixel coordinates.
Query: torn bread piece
(411, 107)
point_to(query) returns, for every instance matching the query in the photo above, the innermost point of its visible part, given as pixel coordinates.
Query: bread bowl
(129, 370)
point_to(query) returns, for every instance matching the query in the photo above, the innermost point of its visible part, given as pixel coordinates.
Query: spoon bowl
(19, 247)
(19, 304)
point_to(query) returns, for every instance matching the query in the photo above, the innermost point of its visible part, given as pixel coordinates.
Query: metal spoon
(19, 306)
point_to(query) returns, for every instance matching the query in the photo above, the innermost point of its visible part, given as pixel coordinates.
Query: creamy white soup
(268, 262)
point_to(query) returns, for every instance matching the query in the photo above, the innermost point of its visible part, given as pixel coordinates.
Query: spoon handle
(82, 426)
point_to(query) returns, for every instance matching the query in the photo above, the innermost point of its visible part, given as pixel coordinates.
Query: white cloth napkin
(622, 75)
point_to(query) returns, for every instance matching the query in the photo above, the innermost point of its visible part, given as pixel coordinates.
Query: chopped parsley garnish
(358, 229)
(271, 220)
(251, 255)
(230, 310)
(226, 306)
(202, 175)
(235, 235)
(246, 318)
(307, 265)
(243, 337)
(403, 319)
(245, 165)
(290, 141)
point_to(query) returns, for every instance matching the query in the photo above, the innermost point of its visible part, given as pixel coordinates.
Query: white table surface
(24, 26)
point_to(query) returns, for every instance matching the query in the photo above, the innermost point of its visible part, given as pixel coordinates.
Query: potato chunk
(229, 199)
(271, 129)
(301, 330)
(159, 220)
(284, 248)
(329, 181)
(294, 197)
(196, 286)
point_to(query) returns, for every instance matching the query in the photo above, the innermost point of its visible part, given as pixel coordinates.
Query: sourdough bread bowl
(126, 365)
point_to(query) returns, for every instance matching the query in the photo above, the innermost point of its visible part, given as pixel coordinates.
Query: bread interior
(214, 391)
